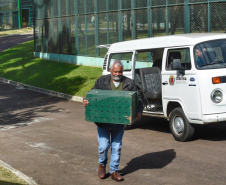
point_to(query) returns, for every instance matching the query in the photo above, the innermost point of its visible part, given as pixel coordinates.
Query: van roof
(189, 39)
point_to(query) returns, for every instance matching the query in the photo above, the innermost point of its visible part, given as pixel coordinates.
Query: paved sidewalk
(48, 139)
(9, 41)
(42, 136)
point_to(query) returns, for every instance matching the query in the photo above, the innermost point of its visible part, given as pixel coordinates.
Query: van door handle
(165, 83)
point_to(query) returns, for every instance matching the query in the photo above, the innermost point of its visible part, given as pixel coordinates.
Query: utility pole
(19, 13)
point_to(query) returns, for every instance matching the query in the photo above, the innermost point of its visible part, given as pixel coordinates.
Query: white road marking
(16, 125)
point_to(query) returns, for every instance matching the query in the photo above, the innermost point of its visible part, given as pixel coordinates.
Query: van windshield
(210, 55)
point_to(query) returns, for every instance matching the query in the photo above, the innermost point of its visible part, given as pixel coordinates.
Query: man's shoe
(116, 176)
(102, 171)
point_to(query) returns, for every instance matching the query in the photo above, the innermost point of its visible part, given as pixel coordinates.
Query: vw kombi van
(182, 77)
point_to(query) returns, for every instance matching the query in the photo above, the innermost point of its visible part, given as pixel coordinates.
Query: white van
(174, 83)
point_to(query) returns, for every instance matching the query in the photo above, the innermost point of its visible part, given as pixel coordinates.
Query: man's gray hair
(117, 63)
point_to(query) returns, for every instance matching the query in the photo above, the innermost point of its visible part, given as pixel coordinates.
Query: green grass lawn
(8, 178)
(18, 64)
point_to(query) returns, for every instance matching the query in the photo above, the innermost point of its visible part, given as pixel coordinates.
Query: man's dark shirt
(200, 61)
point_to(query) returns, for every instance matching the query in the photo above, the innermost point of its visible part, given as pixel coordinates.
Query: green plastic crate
(108, 106)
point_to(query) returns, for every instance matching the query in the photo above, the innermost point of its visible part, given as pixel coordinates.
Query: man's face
(198, 53)
(116, 73)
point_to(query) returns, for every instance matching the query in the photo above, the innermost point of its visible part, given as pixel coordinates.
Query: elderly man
(110, 135)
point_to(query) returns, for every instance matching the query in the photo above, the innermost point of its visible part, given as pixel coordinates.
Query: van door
(178, 87)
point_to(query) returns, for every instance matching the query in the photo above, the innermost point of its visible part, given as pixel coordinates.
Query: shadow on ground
(212, 132)
(152, 123)
(20, 107)
(150, 161)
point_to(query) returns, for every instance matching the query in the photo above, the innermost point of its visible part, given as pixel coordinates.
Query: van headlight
(216, 96)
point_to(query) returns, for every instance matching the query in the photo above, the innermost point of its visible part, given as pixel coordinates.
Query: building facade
(15, 14)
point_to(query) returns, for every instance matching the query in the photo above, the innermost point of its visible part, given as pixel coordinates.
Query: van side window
(144, 59)
(126, 59)
(149, 58)
(182, 54)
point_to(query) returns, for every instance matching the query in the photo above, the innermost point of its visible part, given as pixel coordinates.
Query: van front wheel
(180, 128)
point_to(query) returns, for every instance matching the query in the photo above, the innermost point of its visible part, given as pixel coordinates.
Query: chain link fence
(8, 14)
(9, 17)
(75, 27)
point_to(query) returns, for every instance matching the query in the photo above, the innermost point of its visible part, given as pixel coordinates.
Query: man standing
(110, 135)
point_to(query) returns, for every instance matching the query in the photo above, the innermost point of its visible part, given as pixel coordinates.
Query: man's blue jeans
(110, 135)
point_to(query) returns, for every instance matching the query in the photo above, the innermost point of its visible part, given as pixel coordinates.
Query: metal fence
(8, 14)
(75, 27)
(12, 15)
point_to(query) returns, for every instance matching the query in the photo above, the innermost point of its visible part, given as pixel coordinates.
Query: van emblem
(171, 80)
(192, 79)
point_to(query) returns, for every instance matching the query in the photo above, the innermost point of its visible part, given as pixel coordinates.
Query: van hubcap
(178, 125)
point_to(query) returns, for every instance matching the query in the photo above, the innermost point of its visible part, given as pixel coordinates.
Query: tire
(180, 128)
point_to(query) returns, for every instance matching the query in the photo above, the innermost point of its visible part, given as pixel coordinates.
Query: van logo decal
(181, 78)
(171, 80)
(192, 79)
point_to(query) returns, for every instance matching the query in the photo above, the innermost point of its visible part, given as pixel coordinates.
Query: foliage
(18, 64)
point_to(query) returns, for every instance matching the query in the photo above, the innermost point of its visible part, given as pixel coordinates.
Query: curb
(27, 179)
(41, 90)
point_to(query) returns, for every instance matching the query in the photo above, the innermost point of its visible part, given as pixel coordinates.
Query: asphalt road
(12, 40)
(48, 139)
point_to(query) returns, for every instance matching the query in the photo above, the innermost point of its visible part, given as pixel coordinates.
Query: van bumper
(211, 118)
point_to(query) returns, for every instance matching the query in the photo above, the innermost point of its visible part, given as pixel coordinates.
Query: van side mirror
(176, 64)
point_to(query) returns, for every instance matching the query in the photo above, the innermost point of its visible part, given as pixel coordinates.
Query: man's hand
(85, 102)
(138, 116)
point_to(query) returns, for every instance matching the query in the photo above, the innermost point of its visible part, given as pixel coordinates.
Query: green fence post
(52, 15)
(134, 25)
(68, 30)
(107, 9)
(96, 28)
(0, 17)
(19, 14)
(46, 28)
(149, 18)
(186, 17)
(86, 39)
(59, 27)
(209, 16)
(120, 31)
(39, 28)
(34, 26)
(76, 28)
(1, 21)
(167, 17)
